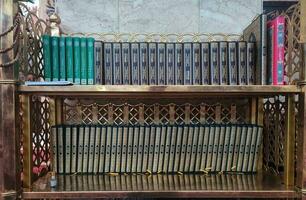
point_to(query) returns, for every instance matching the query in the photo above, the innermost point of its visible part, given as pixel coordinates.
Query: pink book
(276, 42)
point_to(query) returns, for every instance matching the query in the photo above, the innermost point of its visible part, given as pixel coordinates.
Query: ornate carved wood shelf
(158, 91)
(159, 186)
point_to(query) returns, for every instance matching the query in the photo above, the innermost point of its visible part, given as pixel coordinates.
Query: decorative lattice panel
(40, 128)
(31, 28)
(274, 131)
(90, 112)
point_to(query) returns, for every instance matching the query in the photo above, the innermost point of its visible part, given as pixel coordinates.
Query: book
(87, 132)
(54, 150)
(205, 146)
(242, 67)
(62, 59)
(161, 64)
(90, 61)
(215, 148)
(230, 164)
(205, 64)
(135, 63)
(170, 61)
(60, 151)
(214, 64)
(179, 64)
(152, 63)
(113, 152)
(257, 147)
(257, 32)
(251, 68)
(129, 150)
(80, 148)
(247, 149)
(187, 48)
(220, 150)
(47, 83)
(108, 72)
(169, 135)
(69, 59)
(68, 150)
(91, 152)
(144, 64)
(117, 73)
(200, 142)
(184, 140)
(108, 150)
(119, 149)
(124, 149)
(103, 149)
(276, 38)
(98, 59)
(223, 63)
(188, 152)
(225, 153)
(97, 149)
(210, 145)
(146, 144)
(241, 143)
(232, 63)
(178, 148)
(135, 148)
(194, 149)
(126, 63)
(239, 132)
(140, 148)
(151, 148)
(173, 144)
(84, 63)
(159, 135)
(77, 60)
(55, 58)
(196, 64)
(46, 39)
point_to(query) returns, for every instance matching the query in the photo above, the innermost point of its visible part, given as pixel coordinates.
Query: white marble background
(157, 16)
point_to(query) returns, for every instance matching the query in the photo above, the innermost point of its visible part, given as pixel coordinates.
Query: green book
(55, 58)
(90, 60)
(83, 61)
(47, 57)
(69, 59)
(62, 57)
(77, 60)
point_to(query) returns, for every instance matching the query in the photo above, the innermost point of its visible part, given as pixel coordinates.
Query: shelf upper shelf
(159, 186)
(157, 91)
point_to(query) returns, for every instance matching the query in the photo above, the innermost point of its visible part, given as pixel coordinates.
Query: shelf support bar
(289, 141)
(27, 142)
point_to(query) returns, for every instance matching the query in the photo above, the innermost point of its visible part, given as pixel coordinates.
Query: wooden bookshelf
(162, 186)
(175, 90)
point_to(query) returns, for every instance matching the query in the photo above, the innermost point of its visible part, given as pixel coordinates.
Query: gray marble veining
(158, 16)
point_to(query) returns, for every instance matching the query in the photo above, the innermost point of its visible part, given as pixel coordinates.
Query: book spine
(119, 149)
(135, 63)
(55, 58)
(169, 135)
(232, 63)
(97, 149)
(198, 158)
(47, 57)
(117, 73)
(262, 72)
(86, 149)
(247, 149)
(108, 63)
(159, 136)
(172, 149)
(223, 63)
(126, 64)
(60, 144)
(161, 66)
(171, 73)
(152, 64)
(205, 68)
(194, 149)
(144, 65)
(196, 64)
(124, 149)
(91, 153)
(214, 64)
(278, 64)
(179, 64)
(257, 147)
(215, 148)
(242, 67)
(187, 63)
(90, 61)
(98, 56)
(68, 150)
(84, 66)
(135, 148)
(113, 154)
(62, 64)
(270, 44)
(54, 151)
(178, 148)
(220, 149)
(69, 59)
(77, 60)
(140, 149)
(251, 64)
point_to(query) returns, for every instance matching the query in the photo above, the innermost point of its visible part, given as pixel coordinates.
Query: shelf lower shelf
(152, 91)
(161, 186)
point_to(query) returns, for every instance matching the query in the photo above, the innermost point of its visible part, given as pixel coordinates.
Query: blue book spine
(62, 49)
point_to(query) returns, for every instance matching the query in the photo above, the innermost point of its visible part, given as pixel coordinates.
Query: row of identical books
(68, 59)
(206, 63)
(155, 148)
(157, 182)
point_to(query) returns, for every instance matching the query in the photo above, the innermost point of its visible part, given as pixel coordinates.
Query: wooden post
(9, 159)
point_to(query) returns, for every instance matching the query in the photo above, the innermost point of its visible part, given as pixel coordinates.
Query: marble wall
(161, 16)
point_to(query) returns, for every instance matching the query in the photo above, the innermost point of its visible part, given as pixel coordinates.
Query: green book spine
(77, 60)
(47, 57)
(90, 60)
(55, 58)
(69, 59)
(62, 58)
(83, 61)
